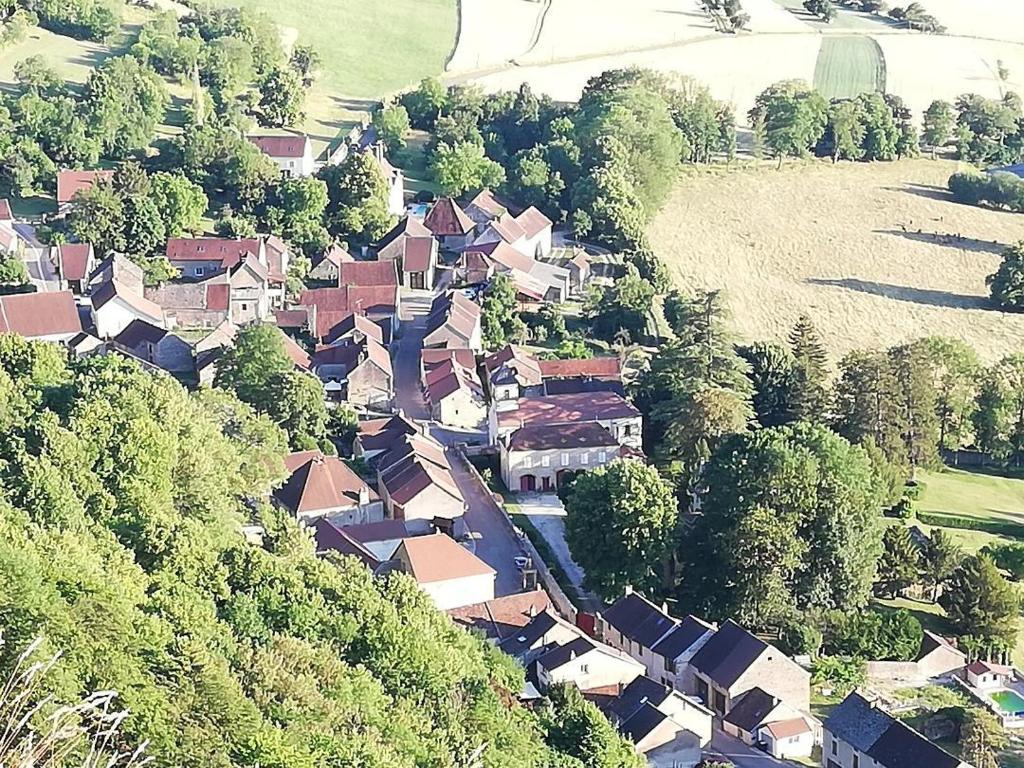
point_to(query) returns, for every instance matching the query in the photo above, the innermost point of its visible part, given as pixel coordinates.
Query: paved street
(496, 545)
(40, 271)
(406, 362)
(725, 747)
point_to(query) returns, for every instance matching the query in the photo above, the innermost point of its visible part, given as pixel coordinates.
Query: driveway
(547, 514)
(725, 747)
(495, 543)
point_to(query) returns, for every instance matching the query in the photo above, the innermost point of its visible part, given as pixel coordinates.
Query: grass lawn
(848, 66)
(368, 49)
(845, 18)
(412, 159)
(973, 494)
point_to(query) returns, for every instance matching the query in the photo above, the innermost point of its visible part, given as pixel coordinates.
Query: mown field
(848, 66)
(876, 254)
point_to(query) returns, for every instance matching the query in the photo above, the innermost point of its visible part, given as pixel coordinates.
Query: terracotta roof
(70, 183)
(784, 729)
(419, 254)
(218, 296)
(431, 358)
(533, 221)
(225, 250)
(439, 558)
(384, 530)
(503, 616)
(522, 362)
(136, 301)
(406, 227)
(336, 255)
(414, 464)
(119, 268)
(585, 434)
(138, 331)
(291, 318)
(568, 409)
(457, 315)
(39, 314)
(334, 305)
(449, 378)
(281, 146)
(5, 210)
(487, 202)
(319, 482)
(508, 229)
(379, 356)
(296, 354)
(347, 355)
(984, 667)
(333, 538)
(597, 367)
(366, 273)
(447, 218)
(73, 259)
(353, 323)
(381, 434)
(505, 255)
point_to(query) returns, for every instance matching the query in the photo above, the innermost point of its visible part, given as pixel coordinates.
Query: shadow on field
(906, 293)
(944, 238)
(930, 191)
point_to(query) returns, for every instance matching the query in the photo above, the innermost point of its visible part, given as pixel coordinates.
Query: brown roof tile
(439, 558)
(73, 259)
(319, 482)
(33, 315)
(596, 367)
(568, 409)
(281, 146)
(447, 218)
(367, 273)
(70, 183)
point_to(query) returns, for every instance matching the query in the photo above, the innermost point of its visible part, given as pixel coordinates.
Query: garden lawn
(848, 66)
(972, 494)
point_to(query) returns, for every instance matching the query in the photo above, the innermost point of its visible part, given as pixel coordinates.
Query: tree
(305, 61)
(982, 738)
(248, 367)
(607, 207)
(124, 101)
(881, 133)
(282, 95)
(576, 727)
(916, 400)
(940, 558)
(771, 374)
(809, 400)
(900, 566)
(845, 130)
(999, 418)
(294, 400)
(938, 125)
(425, 103)
(1007, 557)
(621, 307)
(13, 274)
(357, 199)
(464, 166)
(980, 603)
(794, 118)
(774, 538)
(867, 404)
(97, 216)
(499, 318)
(295, 210)
(620, 523)
(392, 122)
(1006, 285)
(955, 371)
(180, 202)
(985, 128)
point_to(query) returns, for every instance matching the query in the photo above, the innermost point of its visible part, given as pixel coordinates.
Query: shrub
(999, 527)
(996, 190)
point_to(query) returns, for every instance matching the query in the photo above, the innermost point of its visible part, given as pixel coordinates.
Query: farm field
(994, 19)
(848, 66)
(870, 251)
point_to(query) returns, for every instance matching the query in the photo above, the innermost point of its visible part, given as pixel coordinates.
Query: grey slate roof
(638, 619)
(563, 654)
(903, 747)
(680, 639)
(751, 709)
(857, 723)
(642, 690)
(642, 722)
(728, 654)
(538, 626)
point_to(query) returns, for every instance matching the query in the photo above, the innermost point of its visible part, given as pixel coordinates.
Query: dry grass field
(875, 253)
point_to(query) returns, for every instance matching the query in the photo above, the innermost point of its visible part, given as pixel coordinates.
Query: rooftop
(728, 654)
(447, 218)
(567, 409)
(319, 482)
(281, 146)
(366, 273)
(438, 557)
(70, 183)
(585, 434)
(35, 315)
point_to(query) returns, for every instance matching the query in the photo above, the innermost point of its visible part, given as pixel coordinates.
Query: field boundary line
(458, 35)
(538, 27)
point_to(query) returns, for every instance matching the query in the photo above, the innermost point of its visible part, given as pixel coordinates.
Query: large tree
(124, 101)
(1006, 284)
(500, 321)
(577, 727)
(620, 526)
(357, 192)
(999, 417)
(900, 566)
(937, 125)
(772, 376)
(981, 604)
(810, 397)
(791, 117)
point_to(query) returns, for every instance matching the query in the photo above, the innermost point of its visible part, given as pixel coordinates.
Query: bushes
(944, 520)
(83, 19)
(996, 190)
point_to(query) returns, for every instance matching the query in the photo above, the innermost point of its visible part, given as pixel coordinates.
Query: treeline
(121, 546)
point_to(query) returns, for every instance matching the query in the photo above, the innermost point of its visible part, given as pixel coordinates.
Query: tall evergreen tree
(772, 374)
(868, 403)
(941, 556)
(809, 400)
(982, 604)
(900, 566)
(915, 391)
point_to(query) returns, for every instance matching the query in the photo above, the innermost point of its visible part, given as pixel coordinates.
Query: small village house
(543, 457)
(115, 306)
(293, 155)
(155, 345)
(74, 263)
(761, 719)
(70, 183)
(324, 486)
(455, 396)
(50, 316)
(588, 664)
(449, 224)
(416, 483)
(449, 573)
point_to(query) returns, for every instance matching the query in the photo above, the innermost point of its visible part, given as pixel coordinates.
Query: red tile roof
(334, 305)
(73, 259)
(70, 183)
(432, 358)
(568, 409)
(291, 318)
(596, 367)
(218, 296)
(319, 482)
(33, 315)
(784, 729)
(281, 146)
(503, 616)
(488, 203)
(447, 218)
(420, 253)
(533, 222)
(225, 250)
(367, 273)
(5, 210)
(585, 434)
(136, 301)
(440, 558)
(508, 228)
(296, 354)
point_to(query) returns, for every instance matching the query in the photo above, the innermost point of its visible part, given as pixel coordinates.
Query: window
(670, 665)
(545, 461)
(702, 691)
(584, 668)
(719, 705)
(602, 456)
(627, 430)
(565, 459)
(200, 271)
(527, 462)
(835, 749)
(584, 458)
(856, 761)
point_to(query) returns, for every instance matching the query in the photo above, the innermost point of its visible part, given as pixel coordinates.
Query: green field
(973, 494)
(368, 49)
(848, 66)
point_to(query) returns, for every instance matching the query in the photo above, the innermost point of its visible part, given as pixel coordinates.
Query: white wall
(113, 317)
(794, 746)
(455, 593)
(593, 670)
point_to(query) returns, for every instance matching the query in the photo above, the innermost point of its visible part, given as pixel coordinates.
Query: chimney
(572, 655)
(664, 608)
(364, 495)
(533, 611)
(628, 590)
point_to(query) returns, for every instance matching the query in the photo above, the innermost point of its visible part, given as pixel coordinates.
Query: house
(733, 661)
(293, 155)
(588, 664)
(377, 436)
(665, 645)
(449, 573)
(859, 734)
(510, 371)
(419, 263)
(295, 320)
(984, 675)
(760, 719)
(938, 656)
(360, 373)
(502, 617)
(612, 411)
(70, 183)
(453, 322)
(11, 240)
(579, 270)
(606, 368)
(529, 232)
(373, 543)
(455, 395)
(367, 273)
(485, 208)
(472, 268)
(155, 345)
(432, 359)
(537, 231)
(241, 294)
(325, 486)
(392, 246)
(666, 727)
(198, 258)
(392, 175)
(543, 457)
(50, 316)
(329, 307)
(356, 329)
(416, 483)
(544, 631)
(325, 269)
(119, 269)
(115, 306)
(449, 224)
(537, 280)
(74, 262)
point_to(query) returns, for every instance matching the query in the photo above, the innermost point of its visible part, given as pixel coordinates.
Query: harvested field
(994, 19)
(483, 43)
(876, 253)
(849, 66)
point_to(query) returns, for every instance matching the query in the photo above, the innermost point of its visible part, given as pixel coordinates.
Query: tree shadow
(929, 191)
(906, 293)
(950, 240)
(355, 105)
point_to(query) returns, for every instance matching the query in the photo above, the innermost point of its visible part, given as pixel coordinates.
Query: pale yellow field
(868, 250)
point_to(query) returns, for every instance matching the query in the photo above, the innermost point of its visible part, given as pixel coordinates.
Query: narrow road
(40, 271)
(408, 395)
(496, 545)
(725, 747)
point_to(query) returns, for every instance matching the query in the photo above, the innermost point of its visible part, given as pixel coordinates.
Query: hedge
(1002, 528)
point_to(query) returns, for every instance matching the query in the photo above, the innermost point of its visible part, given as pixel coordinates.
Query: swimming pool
(1011, 702)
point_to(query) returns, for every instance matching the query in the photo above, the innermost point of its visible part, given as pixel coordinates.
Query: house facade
(293, 155)
(589, 665)
(74, 263)
(155, 345)
(320, 486)
(609, 409)
(449, 224)
(449, 573)
(541, 458)
(115, 307)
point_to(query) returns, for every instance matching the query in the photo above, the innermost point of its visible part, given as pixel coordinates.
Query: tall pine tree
(809, 393)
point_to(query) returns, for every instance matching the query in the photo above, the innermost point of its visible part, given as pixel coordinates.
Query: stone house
(320, 486)
(415, 480)
(330, 308)
(449, 573)
(240, 295)
(293, 155)
(360, 374)
(115, 307)
(326, 268)
(543, 457)
(48, 316)
(119, 269)
(199, 258)
(74, 263)
(377, 436)
(155, 345)
(761, 719)
(588, 664)
(449, 224)
(455, 396)
(609, 409)
(542, 632)
(454, 321)
(938, 656)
